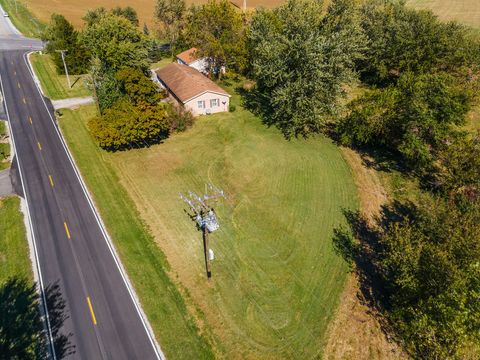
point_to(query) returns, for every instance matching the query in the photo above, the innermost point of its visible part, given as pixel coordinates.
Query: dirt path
(72, 103)
(355, 333)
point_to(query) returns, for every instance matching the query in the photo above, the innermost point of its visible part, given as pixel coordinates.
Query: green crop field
(276, 278)
(465, 11)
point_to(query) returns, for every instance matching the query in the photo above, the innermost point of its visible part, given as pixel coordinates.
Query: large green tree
(116, 42)
(129, 13)
(416, 118)
(429, 262)
(217, 30)
(302, 58)
(61, 35)
(170, 16)
(458, 169)
(136, 117)
(403, 39)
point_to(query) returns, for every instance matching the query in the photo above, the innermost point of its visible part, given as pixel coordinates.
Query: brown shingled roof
(188, 56)
(187, 83)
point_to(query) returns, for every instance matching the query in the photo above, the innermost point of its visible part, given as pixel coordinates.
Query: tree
(116, 42)
(124, 125)
(419, 265)
(415, 118)
(402, 39)
(458, 172)
(93, 16)
(128, 13)
(218, 31)
(21, 327)
(429, 265)
(138, 116)
(61, 35)
(170, 17)
(302, 57)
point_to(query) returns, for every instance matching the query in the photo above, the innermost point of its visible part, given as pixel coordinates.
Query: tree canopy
(61, 35)
(170, 15)
(218, 31)
(416, 118)
(302, 57)
(402, 39)
(429, 264)
(137, 116)
(116, 42)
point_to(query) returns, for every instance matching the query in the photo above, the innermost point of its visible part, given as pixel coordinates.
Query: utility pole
(204, 215)
(244, 5)
(65, 65)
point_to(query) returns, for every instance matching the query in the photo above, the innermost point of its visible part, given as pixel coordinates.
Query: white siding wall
(200, 65)
(223, 101)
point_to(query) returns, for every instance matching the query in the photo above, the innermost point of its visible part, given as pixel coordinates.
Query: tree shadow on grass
(257, 103)
(23, 334)
(360, 244)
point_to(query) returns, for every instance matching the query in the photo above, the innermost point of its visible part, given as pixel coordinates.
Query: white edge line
(42, 292)
(143, 318)
(10, 23)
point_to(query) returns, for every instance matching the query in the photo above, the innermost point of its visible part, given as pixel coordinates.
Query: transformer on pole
(205, 217)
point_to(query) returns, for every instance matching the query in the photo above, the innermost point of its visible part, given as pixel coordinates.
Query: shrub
(179, 119)
(4, 151)
(232, 108)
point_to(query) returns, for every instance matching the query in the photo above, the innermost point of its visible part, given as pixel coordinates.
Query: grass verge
(14, 253)
(4, 155)
(23, 18)
(56, 86)
(145, 263)
(4, 147)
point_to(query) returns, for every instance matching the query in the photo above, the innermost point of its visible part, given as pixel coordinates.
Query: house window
(201, 104)
(214, 102)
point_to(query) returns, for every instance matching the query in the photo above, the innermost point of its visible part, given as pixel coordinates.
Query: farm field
(75, 10)
(276, 278)
(464, 11)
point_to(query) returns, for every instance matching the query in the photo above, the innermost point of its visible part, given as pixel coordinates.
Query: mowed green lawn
(276, 278)
(464, 11)
(56, 86)
(14, 258)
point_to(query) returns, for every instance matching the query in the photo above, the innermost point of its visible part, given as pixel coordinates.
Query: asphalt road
(72, 249)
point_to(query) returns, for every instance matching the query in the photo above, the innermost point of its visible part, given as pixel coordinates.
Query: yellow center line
(66, 229)
(30, 119)
(51, 180)
(18, 84)
(24, 101)
(39, 146)
(94, 319)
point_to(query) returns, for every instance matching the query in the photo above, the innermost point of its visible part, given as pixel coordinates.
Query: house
(192, 90)
(190, 58)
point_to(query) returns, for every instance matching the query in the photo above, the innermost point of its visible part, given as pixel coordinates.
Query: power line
(204, 215)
